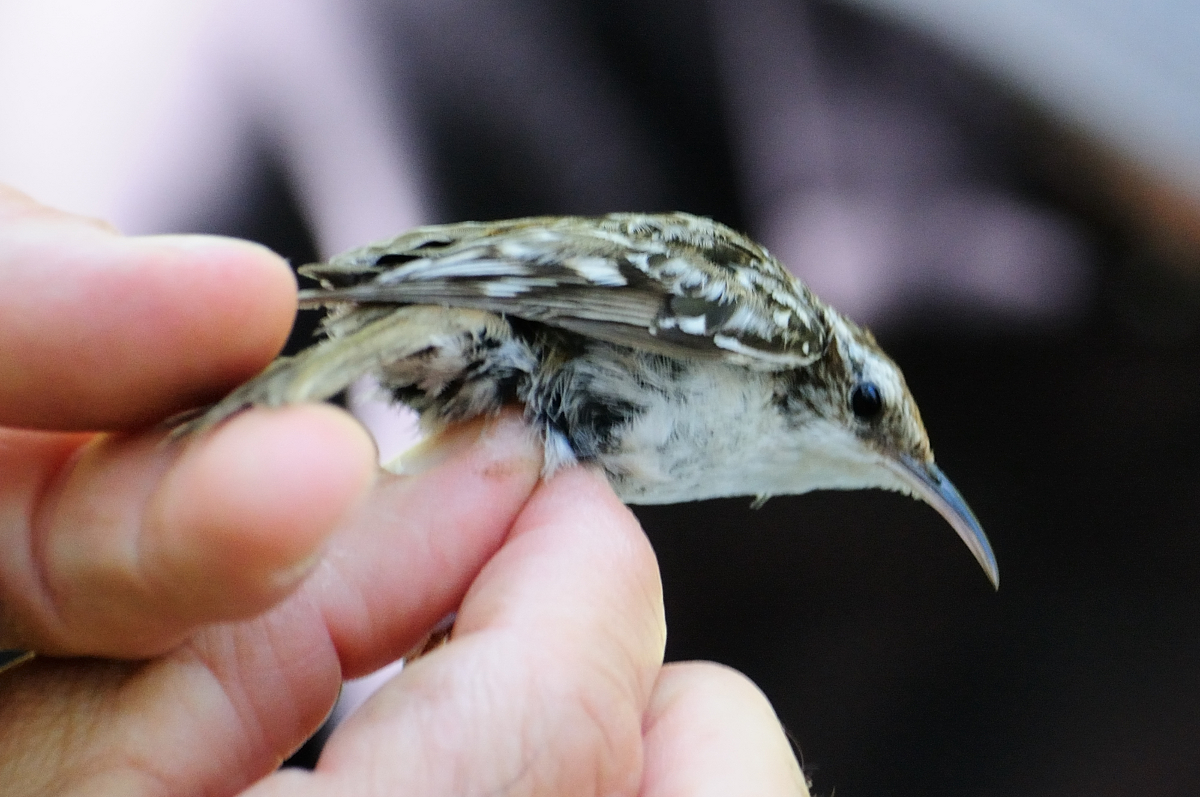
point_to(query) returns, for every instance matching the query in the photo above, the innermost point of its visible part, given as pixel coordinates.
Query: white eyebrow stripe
(735, 346)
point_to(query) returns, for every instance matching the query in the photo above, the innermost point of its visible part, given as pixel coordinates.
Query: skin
(196, 606)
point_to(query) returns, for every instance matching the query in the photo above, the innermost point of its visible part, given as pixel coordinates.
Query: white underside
(726, 438)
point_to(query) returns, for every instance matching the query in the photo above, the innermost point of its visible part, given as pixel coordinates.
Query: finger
(710, 731)
(543, 687)
(128, 545)
(405, 559)
(190, 723)
(227, 707)
(101, 331)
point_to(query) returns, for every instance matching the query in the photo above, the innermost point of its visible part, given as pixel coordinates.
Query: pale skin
(222, 588)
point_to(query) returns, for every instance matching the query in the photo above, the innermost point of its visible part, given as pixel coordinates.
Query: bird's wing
(672, 283)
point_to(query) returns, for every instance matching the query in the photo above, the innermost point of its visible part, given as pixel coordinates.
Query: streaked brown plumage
(672, 351)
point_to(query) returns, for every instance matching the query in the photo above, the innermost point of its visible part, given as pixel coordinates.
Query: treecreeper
(671, 351)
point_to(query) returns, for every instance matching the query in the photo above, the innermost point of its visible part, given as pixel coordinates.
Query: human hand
(231, 584)
(116, 544)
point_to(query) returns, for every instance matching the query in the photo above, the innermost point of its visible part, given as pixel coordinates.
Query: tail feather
(407, 345)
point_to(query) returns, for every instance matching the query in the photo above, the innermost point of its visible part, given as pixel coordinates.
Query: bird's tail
(413, 345)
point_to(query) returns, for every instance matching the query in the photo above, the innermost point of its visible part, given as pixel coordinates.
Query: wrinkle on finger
(543, 687)
(30, 464)
(408, 555)
(252, 505)
(136, 544)
(209, 718)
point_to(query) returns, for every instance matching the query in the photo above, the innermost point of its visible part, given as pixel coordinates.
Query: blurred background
(1007, 191)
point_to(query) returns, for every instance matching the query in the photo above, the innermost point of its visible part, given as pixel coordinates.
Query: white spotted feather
(668, 349)
(674, 283)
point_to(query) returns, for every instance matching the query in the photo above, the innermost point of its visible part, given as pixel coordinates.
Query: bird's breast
(668, 430)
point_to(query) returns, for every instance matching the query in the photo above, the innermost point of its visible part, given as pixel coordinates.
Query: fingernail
(501, 438)
(439, 447)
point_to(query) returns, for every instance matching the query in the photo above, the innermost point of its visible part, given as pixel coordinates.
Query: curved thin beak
(927, 482)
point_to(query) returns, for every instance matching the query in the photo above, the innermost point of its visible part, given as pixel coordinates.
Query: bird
(669, 350)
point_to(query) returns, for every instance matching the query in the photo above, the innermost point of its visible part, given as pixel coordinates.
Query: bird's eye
(866, 401)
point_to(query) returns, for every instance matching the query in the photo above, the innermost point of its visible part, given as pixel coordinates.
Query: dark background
(890, 660)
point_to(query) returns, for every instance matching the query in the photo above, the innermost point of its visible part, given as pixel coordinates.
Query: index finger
(102, 331)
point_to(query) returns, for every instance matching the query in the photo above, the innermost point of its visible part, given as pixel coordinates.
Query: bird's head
(872, 434)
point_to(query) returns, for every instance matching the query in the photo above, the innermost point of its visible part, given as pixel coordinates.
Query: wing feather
(676, 284)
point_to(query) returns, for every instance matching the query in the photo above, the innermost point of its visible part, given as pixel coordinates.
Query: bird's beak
(927, 482)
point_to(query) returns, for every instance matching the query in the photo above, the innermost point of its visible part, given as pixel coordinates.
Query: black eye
(865, 400)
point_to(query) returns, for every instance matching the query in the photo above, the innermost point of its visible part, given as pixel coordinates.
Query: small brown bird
(673, 352)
